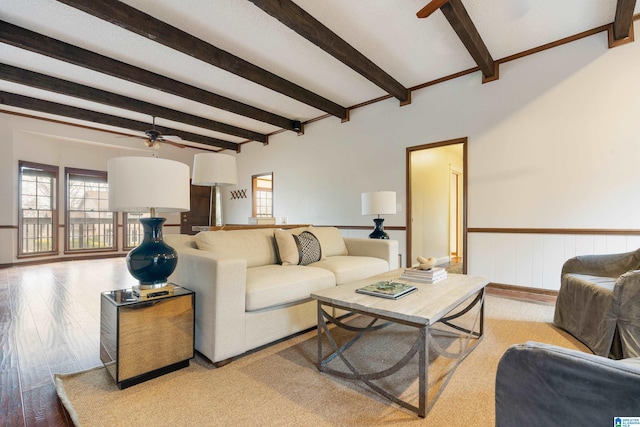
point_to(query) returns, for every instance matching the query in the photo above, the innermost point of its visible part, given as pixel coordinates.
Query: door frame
(409, 150)
(455, 196)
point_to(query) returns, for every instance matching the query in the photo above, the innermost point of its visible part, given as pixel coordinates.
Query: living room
(551, 150)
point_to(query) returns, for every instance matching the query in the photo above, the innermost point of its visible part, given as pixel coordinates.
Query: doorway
(201, 207)
(437, 203)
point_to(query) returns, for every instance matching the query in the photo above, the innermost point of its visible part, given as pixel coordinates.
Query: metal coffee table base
(420, 346)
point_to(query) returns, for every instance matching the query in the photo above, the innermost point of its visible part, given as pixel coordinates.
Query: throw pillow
(309, 248)
(331, 241)
(287, 248)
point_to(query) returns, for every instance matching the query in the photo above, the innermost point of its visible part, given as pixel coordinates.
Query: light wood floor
(50, 323)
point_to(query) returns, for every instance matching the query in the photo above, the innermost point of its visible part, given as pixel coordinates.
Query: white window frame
(90, 225)
(262, 186)
(37, 209)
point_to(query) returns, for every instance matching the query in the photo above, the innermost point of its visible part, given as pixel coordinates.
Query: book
(149, 293)
(387, 289)
(435, 271)
(423, 279)
(432, 275)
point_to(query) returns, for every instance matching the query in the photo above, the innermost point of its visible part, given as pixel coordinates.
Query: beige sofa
(250, 291)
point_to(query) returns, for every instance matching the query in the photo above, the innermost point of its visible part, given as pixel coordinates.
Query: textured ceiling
(413, 51)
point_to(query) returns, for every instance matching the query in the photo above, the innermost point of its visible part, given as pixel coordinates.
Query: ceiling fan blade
(431, 7)
(132, 136)
(171, 137)
(175, 144)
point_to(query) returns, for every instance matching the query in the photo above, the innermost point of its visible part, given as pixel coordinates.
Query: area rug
(281, 386)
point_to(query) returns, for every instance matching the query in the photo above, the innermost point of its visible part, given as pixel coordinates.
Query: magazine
(387, 289)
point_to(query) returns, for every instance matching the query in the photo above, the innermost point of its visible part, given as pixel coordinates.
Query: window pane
(90, 224)
(28, 202)
(263, 195)
(133, 232)
(37, 208)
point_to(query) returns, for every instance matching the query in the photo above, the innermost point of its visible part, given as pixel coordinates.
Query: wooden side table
(142, 338)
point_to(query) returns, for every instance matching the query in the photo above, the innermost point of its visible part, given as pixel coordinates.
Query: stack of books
(148, 293)
(431, 275)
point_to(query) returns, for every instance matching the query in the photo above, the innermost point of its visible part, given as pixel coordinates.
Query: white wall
(552, 144)
(566, 154)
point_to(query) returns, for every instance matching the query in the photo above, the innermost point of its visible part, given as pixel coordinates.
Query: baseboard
(522, 292)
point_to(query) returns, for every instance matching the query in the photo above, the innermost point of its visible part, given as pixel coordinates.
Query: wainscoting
(534, 258)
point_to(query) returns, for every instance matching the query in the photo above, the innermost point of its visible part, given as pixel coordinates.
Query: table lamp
(214, 170)
(149, 184)
(379, 203)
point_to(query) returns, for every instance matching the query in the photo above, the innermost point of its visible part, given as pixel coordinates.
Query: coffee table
(429, 305)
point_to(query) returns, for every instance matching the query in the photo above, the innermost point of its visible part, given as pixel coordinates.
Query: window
(263, 195)
(90, 224)
(37, 208)
(133, 231)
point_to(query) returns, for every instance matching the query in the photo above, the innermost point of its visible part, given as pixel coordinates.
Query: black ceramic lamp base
(378, 232)
(153, 260)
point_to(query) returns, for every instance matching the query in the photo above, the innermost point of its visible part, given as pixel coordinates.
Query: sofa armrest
(610, 265)
(219, 283)
(378, 248)
(545, 385)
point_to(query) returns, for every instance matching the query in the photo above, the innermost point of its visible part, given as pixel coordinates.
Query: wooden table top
(425, 306)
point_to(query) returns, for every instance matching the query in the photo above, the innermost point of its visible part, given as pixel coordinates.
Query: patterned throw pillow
(308, 248)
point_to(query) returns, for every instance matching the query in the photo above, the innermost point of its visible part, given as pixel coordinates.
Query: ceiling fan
(154, 138)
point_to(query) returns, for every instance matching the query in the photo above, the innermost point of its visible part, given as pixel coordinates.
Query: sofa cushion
(256, 246)
(589, 280)
(276, 285)
(331, 241)
(350, 268)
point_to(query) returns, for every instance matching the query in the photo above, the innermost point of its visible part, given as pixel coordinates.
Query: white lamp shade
(379, 203)
(137, 184)
(214, 169)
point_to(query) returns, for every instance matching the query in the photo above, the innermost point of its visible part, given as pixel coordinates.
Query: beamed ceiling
(220, 74)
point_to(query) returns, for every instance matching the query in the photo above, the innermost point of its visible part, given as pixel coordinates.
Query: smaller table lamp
(379, 203)
(149, 184)
(214, 170)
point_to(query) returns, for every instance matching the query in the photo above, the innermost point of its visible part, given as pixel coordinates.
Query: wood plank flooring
(50, 323)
